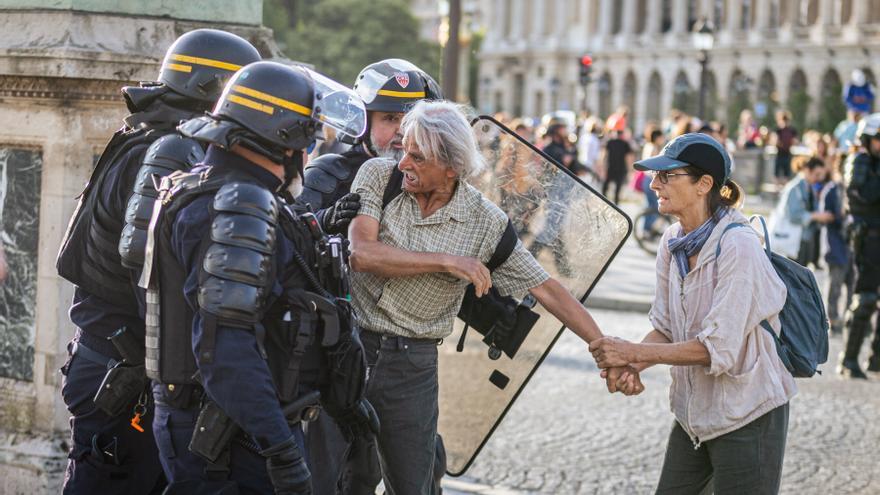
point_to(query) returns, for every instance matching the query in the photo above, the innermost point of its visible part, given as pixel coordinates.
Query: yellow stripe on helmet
(251, 104)
(206, 62)
(401, 94)
(253, 93)
(179, 67)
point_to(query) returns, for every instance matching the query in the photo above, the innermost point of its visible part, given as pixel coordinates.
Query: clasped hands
(615, 357)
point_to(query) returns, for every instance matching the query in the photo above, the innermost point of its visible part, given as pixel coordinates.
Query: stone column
(497, 16)
(734, 16)
(827, 16)
(762, 15)
(654, 17)
(606, 17)
(518, 20)
(860, 12)
(679, 16)
(539, 10)
(630, 17)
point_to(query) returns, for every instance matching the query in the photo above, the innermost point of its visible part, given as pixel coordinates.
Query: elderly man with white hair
(412, 262)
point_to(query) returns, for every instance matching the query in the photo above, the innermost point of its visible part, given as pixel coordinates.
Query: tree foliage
(341, 37)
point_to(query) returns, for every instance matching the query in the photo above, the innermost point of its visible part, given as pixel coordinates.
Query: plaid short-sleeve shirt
(425, 306)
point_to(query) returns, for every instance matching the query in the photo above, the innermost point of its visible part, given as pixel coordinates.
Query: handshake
(615, 357)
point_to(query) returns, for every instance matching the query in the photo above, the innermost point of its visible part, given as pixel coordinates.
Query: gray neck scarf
(685, 246)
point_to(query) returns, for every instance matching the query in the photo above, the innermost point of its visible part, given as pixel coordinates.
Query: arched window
(683, 96)
(711, 110)
(767, 101)
(655, 98)
(798, 98)
(604, 87)
(629, 96)
(831, 107)
(738, 98)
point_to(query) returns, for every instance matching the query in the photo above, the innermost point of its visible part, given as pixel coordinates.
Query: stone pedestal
(62, 63)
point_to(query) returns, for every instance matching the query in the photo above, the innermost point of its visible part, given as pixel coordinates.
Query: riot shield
(575, 233)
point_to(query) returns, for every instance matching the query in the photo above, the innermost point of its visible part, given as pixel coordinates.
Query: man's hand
(610, 352)
(625, 380)
(337, 217)
(472, 270)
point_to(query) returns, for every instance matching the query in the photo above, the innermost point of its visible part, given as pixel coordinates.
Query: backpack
(502, 320)
(803, 341)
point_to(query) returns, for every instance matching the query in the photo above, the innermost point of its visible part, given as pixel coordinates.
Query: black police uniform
(236, 375)
(108, 454)
(113, 449)
(863, 193)
(329, 177)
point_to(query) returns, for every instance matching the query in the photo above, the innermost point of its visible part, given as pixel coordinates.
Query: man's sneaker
(851, 369)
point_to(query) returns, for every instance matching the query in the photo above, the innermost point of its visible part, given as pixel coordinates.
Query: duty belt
(396, 341)
(78, 349)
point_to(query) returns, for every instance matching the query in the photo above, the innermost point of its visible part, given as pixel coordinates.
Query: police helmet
(198, 64)
(273, 108)
(395, 85)
(868, 128)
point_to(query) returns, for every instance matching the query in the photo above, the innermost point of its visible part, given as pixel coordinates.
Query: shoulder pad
(318, 179)
(247, 199)
(333, 164)
(238, 264)
(174, 152)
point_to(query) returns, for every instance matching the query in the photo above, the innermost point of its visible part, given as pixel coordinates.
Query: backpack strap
(504, 248)
(393, 188)
(766, 234)
(729, 226)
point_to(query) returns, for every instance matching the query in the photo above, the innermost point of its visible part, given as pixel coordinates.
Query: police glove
(358, 421)
(287, 469)
(336, 218)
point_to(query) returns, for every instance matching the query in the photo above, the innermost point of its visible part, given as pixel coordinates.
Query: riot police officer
(240, 328)
(388, 88)
(863, 193)
(112, 448)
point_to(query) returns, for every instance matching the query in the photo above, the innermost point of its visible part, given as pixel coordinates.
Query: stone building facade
(62, 64)
(766, 54)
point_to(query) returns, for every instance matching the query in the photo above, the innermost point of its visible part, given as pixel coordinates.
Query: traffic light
(585, 63)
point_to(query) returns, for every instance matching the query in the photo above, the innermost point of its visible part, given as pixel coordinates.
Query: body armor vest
(238, 269)
(329, 177)
(88, 256)
(863, 187)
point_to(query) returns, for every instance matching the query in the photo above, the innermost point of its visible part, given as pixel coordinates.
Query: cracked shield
(575, 233)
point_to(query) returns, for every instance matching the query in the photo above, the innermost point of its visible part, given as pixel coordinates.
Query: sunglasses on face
(664, 175)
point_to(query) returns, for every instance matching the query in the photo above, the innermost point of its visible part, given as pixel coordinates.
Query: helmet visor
(338, 106)
(372, 79)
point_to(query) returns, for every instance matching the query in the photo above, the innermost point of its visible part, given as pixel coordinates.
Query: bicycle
(648, 239)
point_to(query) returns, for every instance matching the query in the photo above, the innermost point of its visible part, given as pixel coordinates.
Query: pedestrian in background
(730, 390)
(654, 141)
(784, 137)
(618, 157)
(834, 248)
(795, 224)
(749, 136)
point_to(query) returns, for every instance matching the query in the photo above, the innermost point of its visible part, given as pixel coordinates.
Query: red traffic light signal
(585, 63)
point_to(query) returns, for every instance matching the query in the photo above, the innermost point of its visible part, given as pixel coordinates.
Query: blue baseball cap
(693, 149)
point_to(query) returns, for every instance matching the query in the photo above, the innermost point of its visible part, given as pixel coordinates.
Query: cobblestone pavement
(567, 435)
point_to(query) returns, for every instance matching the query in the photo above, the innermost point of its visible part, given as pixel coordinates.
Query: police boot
(855, 334)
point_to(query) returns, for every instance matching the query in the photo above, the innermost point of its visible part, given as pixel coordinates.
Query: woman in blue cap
(730, 391)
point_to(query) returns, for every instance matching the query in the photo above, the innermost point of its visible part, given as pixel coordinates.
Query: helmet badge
(402, 79)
